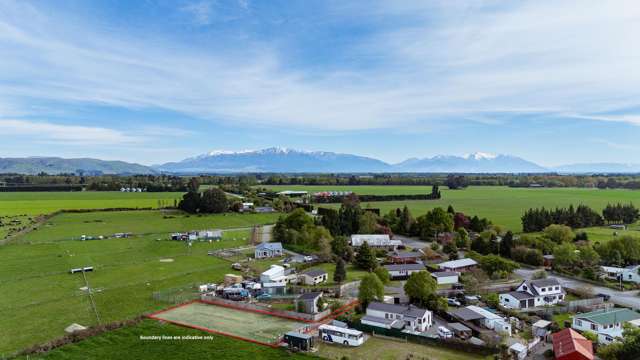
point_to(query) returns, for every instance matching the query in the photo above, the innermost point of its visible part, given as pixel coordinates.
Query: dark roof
(406, 254)
(309, 296)
(299, 335)
(409, 310)
(399, 267)
(521, 295)
(378, 319)
(457, 327)
(269, 246)
(444, 273)
(544, 282)
(467, 314)
(315, 272)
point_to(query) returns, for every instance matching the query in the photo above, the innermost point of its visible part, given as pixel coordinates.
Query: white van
(444, 333)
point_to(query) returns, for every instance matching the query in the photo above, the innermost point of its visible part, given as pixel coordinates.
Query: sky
(554, 82)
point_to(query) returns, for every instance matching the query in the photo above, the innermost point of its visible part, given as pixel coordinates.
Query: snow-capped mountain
(275, 160)
(471, 163)
(288, 160)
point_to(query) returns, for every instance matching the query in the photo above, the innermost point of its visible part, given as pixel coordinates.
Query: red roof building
(568, 344)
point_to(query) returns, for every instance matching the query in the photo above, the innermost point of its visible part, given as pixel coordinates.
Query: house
(533, 293)
(379, 241)
(547, 261)
(607, 324)
(484, 318)
(459, 265)
(445, 277)
(459, 330)
(403, 271)
(308, 302)
(405, 257)
(275, 274)
(629, 273)
(540, 328)
(314, 276)
(568, 344)
(268, 250)
(246, 206)
(391, 316)
(518, 351)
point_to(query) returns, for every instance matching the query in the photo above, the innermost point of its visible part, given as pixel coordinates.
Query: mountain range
(280, 160)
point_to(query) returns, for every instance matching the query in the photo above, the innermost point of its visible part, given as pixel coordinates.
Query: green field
(38, 203)
(242, 323)
(73, 225)
(126, 343)
(40, 298)
(501, 204)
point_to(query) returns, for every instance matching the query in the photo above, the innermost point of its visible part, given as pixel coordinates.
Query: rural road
(622, 298)
(414, 243)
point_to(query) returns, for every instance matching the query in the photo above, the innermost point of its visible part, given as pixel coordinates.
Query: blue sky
(554, 82)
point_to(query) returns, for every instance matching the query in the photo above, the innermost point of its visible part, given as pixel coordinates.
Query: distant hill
(55, 165)
(275, 160)
(609, 168)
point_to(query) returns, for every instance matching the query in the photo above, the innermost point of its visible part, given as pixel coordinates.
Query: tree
(190, 202)
(406, 221)
(366, 258)
(494, 264)
(214, 201)
(331, 221)
(341, 248)
(371, 289)
(462, 238)
(451, 249)
(540, 274)
(349, 215)
(434, 222)
(420, 288)
(627, 349)
(340, 273)
(368, 223)
(506, 244)
(559, 233)
(382, 274)
(564, 256)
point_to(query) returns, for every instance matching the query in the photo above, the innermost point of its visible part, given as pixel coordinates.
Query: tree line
(582, 216)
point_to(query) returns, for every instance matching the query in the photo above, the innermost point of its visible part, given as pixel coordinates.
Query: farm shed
(296, 340)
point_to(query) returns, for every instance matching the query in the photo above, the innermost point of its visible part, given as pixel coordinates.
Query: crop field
(40, 203)
(502, 205)
(73, 225)
(241, 323)
(131, 343)
(40, 298)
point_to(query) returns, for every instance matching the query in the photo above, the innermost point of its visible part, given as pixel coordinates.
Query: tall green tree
(382, 274)
(420, 288)
(366, 258)
(370, 289)
(340, 273)
(506, 244)
(214, 201)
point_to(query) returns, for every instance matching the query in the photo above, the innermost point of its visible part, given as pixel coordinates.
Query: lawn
(387, 349)
(40, 298)
(353, 273)
(129, 343)
(73, 225)
(38, 203)
(604, 234)
(502, 205)
(560, 319)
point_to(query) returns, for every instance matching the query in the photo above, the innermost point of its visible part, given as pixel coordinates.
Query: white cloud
(200, 12)
(65, 134)
(449, 63)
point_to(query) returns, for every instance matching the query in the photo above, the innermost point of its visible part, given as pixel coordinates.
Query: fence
(425, 340)
(177, 295)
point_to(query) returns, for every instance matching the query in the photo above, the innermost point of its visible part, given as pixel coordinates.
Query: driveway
(412, 242)
(623, 298)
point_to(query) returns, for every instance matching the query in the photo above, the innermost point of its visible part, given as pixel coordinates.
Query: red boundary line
(339, 311)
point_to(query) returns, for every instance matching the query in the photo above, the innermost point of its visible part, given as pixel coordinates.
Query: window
(594, 327)
(579, 322)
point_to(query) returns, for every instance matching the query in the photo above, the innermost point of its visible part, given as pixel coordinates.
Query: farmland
(126, 343)
(502, 205)
(40, 298)
(40, 203)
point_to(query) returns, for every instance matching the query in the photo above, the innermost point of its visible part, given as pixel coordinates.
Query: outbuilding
(300, 341)
(445, 277)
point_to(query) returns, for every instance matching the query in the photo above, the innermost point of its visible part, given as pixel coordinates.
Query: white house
(607, 324)
(445, 277)
(314, 276)
(268, 250)
(483, 317)
(629, 273)
(391, 316)
(275, 274)
(533, 293)
(403, 271)
(459, 265)
(375, 241)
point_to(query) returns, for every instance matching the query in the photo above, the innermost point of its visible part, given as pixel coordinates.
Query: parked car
(604, 297)
(444, 333)
(263, 297)
(453, 302)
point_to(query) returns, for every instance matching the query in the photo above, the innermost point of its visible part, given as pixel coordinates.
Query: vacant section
(247, 325)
